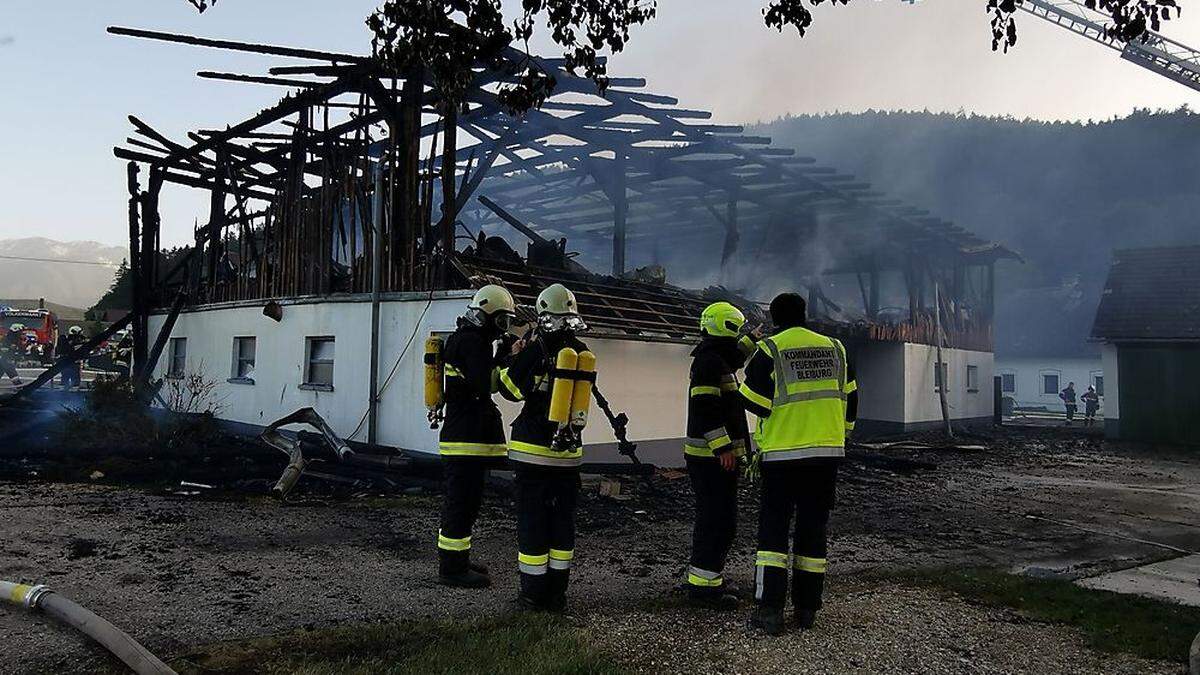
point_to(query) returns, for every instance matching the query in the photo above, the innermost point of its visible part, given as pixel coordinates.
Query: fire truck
(41, 331)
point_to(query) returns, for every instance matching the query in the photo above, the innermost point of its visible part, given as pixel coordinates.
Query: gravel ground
(865, 628)
(178, 572)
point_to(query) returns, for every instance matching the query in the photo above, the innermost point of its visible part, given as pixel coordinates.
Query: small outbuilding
(1148, 324)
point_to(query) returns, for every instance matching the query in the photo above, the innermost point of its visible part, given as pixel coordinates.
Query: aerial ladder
(1153, 51)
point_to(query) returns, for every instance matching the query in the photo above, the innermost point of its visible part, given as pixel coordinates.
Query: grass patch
(534, 644)
(1111, 622)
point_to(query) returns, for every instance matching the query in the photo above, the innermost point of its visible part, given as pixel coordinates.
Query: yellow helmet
(722, 319)
(557, 299)
(17, 327)
(492, 298)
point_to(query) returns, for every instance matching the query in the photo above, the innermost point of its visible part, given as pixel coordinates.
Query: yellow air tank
(564, 386)
(434, 373)
(581, 401)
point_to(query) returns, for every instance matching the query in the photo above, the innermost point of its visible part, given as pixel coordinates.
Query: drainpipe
(376, 281)
(109, 636)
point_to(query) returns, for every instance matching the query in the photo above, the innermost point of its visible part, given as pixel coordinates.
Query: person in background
(68, 342)
(10, 353)
(1068, 397)
(1091, 404)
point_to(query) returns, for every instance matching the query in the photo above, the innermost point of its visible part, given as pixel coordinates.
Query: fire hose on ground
(62, 609)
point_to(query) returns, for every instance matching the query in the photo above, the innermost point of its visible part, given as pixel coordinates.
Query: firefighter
(122, 355)
(546, 464)
(11, 345)
(801, 387)
(68, 342)
(472, 436)
(717, 438)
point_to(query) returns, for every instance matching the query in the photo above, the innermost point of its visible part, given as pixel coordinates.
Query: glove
(752, 466)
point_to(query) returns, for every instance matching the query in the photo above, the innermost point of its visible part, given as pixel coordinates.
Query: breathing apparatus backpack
(573, 376)
(435, 376)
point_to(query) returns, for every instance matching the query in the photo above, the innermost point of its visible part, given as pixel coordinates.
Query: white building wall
(1110, 404)
(648, 380)
(1028, 372)
(921, 402)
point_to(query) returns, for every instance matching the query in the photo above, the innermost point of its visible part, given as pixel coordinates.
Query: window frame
(941, 376)
(1057, 375)
(1014, 383)
(972, 387)
(176, 362)
(236, 375)
(1098, 383)
(308, 383)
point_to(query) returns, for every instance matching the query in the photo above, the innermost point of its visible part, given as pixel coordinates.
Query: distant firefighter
(11, 345)
(1091, 404)
(68, 342)
(1068, 398)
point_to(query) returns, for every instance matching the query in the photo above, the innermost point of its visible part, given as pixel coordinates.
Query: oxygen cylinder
(581, 401)
(434, 373)
(564, 387)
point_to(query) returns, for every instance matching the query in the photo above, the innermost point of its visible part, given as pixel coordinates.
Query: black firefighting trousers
(7, 367)
(804, 490)
(465, 477)
(546, 499)
(715, 525)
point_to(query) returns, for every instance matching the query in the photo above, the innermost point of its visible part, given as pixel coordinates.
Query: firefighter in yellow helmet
(717, 437)
(801, 387)
(12, 344)
(472, 435)
(547, 466)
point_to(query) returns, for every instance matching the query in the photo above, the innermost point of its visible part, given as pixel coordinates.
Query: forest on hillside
(1063, 194)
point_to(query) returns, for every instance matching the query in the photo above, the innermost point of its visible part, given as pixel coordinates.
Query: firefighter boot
(454, 569)
(719, 598)
(533, 592)
(556, 590)
(767, 619)
(805, 618)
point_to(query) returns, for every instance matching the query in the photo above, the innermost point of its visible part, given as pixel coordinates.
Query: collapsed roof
(613, 168)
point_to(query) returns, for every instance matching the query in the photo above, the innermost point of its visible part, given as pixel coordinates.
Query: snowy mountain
(73, 273)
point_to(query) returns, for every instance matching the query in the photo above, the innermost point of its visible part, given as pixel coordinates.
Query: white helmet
(492, 298)
(17, 327)
(558, 310)
(557, 299)
(75, 330)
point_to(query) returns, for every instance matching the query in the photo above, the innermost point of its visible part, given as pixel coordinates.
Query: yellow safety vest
(808, 408)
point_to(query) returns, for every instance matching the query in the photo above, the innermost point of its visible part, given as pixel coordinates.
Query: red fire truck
(41, 331)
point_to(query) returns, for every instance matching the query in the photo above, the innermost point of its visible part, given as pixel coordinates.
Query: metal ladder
(1155, 52)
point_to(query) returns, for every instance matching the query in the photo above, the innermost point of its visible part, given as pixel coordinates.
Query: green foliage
(530, 644)
(118, 296)
(1111, 622)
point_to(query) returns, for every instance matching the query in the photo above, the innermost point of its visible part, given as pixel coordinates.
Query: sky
(68, 86)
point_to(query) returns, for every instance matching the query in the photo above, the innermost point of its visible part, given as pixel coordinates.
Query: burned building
(357, 215)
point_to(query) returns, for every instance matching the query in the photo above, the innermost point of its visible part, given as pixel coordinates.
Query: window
(1050, 383)
(972, 378)
(1098, 383)
(177, 366)
(1008, 383)
(318, 373)
(940, 375)
(244, 349)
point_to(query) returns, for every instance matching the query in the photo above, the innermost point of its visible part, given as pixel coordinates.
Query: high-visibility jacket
(529, 380)
(798, 384)
(716, 416)
(473, 426)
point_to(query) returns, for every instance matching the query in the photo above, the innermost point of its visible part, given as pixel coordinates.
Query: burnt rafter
(294, 187)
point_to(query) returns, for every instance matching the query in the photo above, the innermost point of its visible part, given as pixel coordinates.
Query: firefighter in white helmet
(472, 436)
(546, 463)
